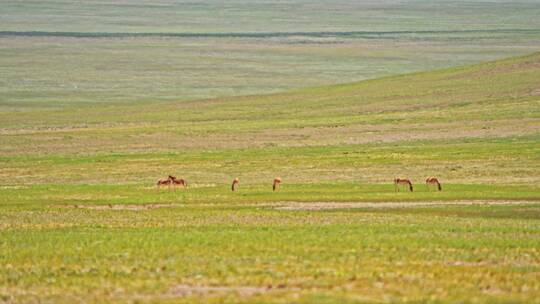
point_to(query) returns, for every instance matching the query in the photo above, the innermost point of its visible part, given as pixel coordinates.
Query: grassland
(50, 70)
(81, 220)
(58, 53)
(475, 124)
(249, 253)
(99, 99)
(135, 16)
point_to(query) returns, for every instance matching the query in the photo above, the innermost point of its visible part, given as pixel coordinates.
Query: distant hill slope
(474, 124)
(495, 99)
(67, 52)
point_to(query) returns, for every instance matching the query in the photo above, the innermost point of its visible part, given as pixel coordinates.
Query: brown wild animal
(276, 183)
(402, 181)
(164, 181)
(235, 183)
(178, 182)
(433, 181)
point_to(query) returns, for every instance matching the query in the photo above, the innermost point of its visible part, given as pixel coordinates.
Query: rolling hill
(468, 124)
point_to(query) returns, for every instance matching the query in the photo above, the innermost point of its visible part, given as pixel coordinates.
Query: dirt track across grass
(132, 207)
(187, 290)
(360, 205)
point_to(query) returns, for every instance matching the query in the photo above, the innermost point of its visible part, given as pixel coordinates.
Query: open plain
(92, 116)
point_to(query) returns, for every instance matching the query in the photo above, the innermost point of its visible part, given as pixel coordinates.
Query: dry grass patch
(131, 207)
(188, 290)
(352, 205)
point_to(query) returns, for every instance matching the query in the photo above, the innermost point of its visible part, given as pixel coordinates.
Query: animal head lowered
(276, 183)
(433, 181)
(402, 181)
(235, 184)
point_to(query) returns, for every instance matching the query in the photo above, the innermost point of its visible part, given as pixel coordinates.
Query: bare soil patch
(205, 291)
(131, 207)
(352, 205)
(189, 290)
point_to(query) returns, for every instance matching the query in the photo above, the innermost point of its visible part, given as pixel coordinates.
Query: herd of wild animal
(174, 182)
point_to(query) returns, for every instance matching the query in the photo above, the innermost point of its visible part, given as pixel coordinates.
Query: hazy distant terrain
(218, 16)
(62, 52)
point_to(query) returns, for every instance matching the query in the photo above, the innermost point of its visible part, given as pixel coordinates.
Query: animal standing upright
(402, 181)
(433, 181)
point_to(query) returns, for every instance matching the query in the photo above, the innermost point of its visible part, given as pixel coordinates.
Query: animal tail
(274, 187)
(439, 184)
(410, 186)
(232, 187)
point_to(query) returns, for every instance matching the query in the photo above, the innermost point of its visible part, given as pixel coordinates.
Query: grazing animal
(402, 181)
(276, 183)
(178, 182)
(433, 181)
(164, 181)
(235, 184)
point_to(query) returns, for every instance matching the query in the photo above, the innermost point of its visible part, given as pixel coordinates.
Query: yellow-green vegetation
(81, 219)
(475, 124)
(258, 254)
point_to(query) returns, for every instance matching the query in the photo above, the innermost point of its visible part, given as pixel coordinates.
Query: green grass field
(98, 100)
(81, 219)
(259, 254)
